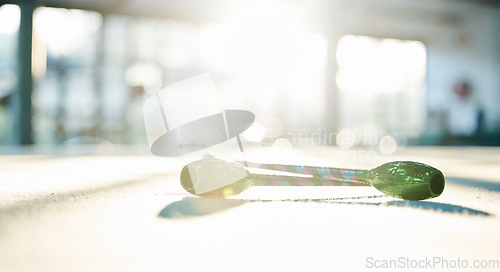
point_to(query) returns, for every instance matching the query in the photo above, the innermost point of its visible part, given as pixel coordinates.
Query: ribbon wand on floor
(401, 179)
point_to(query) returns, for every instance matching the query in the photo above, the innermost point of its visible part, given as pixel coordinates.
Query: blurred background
(379, 75)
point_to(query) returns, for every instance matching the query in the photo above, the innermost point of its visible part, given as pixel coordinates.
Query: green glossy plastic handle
(407, 180)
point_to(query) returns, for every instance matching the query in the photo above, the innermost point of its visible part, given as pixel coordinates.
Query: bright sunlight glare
(381, 85)
(9, 19)
(263, 40)
(65, 31)
(384, 65)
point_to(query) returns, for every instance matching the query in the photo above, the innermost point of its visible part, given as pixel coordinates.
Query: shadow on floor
(427, 205)
(194, 206)
(436, 206)
(197, 206)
